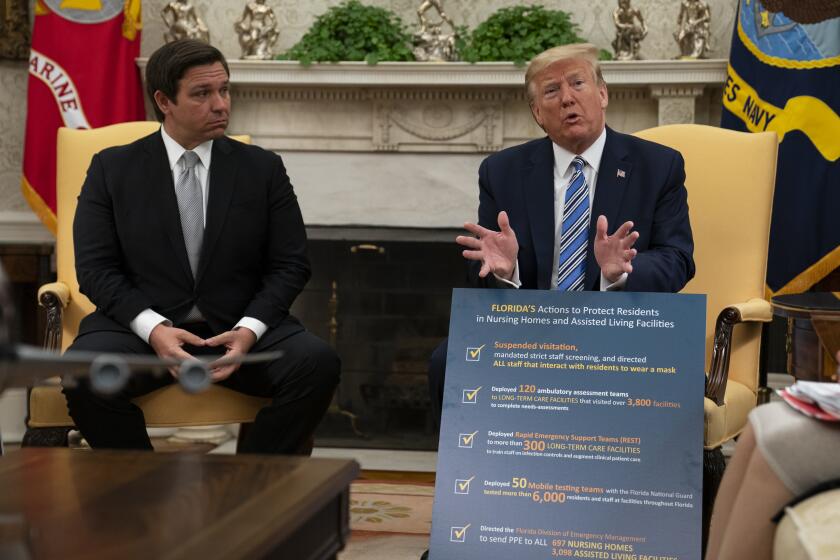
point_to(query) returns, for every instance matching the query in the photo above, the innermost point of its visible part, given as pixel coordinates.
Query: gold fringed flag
(784, 77)
(82, 74)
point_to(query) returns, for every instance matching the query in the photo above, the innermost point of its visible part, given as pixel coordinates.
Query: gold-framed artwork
(14, 29)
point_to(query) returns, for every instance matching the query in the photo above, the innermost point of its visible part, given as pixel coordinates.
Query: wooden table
(813, 334)
(67, 504)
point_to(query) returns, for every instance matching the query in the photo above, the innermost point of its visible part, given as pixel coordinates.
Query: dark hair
(168, 64)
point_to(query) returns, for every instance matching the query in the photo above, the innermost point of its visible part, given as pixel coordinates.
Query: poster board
(572, 427)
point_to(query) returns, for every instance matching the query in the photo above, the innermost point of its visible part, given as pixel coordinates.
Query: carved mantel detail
(438, 126)
(676, 103)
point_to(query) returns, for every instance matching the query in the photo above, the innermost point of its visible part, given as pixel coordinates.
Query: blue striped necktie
(575, 232)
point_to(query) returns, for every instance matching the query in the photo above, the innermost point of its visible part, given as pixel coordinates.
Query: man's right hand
(168, 342)
(497, 250)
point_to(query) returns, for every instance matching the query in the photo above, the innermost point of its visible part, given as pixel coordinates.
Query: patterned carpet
(389, 520)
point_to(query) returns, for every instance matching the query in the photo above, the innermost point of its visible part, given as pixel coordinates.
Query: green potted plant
(353, 31)
(519, 33)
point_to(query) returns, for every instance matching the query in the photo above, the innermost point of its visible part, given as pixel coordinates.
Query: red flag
(82, 74)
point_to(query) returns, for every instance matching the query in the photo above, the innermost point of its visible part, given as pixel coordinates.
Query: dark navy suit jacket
(130, 251)
(639, 181)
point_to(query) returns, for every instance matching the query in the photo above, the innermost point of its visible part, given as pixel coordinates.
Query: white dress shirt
(563, 171)
(148, 319)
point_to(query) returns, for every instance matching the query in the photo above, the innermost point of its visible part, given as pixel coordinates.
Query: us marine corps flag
(784, 77)
(82, 74)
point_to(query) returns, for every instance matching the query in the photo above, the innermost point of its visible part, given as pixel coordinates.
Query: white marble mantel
(443, 107)
(397, 145)
(498, 74)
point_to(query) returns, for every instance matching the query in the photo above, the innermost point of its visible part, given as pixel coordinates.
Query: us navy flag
(784, 77)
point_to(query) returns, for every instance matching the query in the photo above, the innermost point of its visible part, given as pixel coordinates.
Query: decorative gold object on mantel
(692, 34)
(630, 29)
(427, 5)
(257, 30)
(430, 41)
(15, 37)
(182, 22)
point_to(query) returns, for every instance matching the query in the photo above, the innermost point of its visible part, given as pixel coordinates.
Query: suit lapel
(538, 178)
(614, 175)
(162, 190)
(223, 167)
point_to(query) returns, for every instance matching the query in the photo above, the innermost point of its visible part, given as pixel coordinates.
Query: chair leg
(243, 431)
(45, 437)
(713, 467)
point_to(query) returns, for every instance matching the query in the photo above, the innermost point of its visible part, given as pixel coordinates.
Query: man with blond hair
(583, 208)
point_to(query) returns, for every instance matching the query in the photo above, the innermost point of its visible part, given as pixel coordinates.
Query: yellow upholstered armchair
(48, 421)
(730, 178)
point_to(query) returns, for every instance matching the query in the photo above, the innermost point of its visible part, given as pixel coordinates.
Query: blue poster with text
(572, 427)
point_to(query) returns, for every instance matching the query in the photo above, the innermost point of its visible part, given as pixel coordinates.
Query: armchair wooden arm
(753, 310)
(54, 297)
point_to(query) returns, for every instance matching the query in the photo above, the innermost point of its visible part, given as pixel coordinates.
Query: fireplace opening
(384, 306)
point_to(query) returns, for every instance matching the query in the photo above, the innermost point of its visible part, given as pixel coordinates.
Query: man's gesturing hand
(614, 252)
(497, 250)
(168, 342)
(237, 343)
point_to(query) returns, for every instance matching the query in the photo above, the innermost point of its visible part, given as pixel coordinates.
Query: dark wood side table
(813, 333)
(71, 504)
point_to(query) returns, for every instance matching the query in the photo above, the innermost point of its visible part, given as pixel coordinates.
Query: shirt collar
(174, 150)
(591, 155)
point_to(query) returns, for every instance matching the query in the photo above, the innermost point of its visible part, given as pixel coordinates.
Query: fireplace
(384, 306)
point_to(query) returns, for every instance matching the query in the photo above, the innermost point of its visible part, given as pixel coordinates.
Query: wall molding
(23, 228)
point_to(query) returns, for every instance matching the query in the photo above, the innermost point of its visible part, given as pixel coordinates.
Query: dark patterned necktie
(191, 208)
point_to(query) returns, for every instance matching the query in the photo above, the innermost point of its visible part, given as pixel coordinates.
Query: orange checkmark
(459, 532)
(471, 394)
(467, 438)
(463, 485)
(475, 352)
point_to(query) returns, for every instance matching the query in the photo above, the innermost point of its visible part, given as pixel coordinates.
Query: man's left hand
(237, 343)
(614, 253)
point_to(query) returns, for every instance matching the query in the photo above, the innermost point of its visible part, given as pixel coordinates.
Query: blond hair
(582, 51)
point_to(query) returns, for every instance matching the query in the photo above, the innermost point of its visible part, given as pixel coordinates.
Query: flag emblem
(86, 11)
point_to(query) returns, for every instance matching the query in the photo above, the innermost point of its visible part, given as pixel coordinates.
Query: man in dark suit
(191, 243)
(535, 200)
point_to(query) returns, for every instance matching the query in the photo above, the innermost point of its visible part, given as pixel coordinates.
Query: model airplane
(24, 366)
